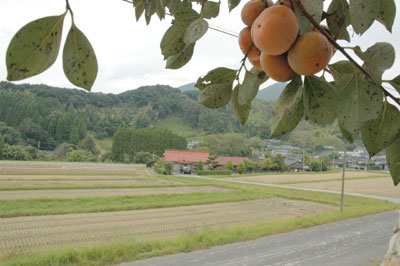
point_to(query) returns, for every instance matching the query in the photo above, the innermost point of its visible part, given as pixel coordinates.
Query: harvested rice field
(97, 204)
(308, 177)
(90, 193)
(373, 186)
(30, 232)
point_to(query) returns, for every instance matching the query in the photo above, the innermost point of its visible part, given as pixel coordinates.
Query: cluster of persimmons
(272, 43)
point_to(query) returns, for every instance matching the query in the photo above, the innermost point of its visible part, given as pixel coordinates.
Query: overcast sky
(128, 52)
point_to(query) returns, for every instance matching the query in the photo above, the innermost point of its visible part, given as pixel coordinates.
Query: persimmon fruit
(245, 42)
(256, 64)
(310, 54)
(252, 9)
(275, 30)
(277, 67)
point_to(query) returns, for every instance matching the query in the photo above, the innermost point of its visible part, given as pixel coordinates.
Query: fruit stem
(69, 8)
(300, 6)
(244, 60)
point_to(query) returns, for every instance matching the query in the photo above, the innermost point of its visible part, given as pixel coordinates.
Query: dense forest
(43, 117)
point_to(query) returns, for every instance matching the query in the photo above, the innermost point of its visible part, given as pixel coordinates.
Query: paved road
(351, 242)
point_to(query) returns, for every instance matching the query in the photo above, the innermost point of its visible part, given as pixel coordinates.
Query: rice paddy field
(48, 209)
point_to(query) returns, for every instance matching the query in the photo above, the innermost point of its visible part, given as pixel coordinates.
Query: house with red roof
(182, 158)
(223, 160)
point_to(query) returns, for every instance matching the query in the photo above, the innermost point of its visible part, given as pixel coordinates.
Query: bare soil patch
(87, 193)
(372, 186)
(24, 233)
(282, 178)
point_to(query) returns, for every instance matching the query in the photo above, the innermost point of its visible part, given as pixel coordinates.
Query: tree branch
(301, 8)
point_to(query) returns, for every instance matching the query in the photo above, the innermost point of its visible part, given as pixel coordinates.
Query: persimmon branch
(301, 8)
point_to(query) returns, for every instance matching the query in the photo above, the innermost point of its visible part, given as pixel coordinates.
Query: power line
(212, 27)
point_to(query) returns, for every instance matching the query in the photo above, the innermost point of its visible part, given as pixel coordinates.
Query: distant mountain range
(269, 93)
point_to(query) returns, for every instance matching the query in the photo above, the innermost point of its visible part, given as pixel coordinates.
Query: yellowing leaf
(34, 48)
(79, 59)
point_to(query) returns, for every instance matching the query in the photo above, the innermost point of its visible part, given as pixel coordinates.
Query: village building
(223, 160)
(182, 158)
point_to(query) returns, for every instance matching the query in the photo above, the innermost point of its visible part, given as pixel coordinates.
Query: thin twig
(300, 6)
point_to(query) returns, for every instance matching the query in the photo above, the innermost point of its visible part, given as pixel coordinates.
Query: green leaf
(360, 102)
(386, 13)
(288, 110)
(160, 9)
(320, 100)
(396, 83)
(340, 69)
(174, 6)
(181, 59)
(139, 8)
(79, 59)
(172, 41)
(377, 59)
(251, 84)
(216, 95)
(195, 31)
(382, 131)
(34, 48)
(314, 8)
(363, 14)
(218, 75)
(346, 134)
(232, 4)
(185, 16)
(150, 9)
(304, 24)
(339, 19)
(242, 112)
(211, 9)
(393, 161)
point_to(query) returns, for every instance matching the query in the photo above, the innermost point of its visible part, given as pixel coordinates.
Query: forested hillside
(44, 117)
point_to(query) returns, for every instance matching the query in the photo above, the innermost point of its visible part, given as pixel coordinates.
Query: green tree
(199, 166)
(80, 156)
(88, 144)
(144, 157)
(250, 165)
(229, 165)
(15, 152)
(241, 168)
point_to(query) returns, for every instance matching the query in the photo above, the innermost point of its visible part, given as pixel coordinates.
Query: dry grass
(91, 193)
(24, 233)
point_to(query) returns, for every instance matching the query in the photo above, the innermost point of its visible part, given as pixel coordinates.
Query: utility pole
(333, 158)
(303, 159)
(344, 170)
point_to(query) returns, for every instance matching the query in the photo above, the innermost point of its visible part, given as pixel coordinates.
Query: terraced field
(51, 206)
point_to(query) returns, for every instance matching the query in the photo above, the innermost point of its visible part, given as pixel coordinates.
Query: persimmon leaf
(79, 59)
(34, 48)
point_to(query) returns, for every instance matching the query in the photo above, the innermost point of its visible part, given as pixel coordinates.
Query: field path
(355, 242)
